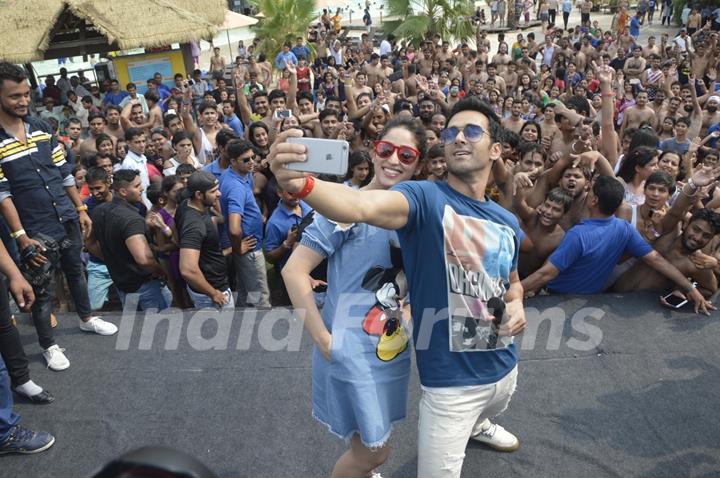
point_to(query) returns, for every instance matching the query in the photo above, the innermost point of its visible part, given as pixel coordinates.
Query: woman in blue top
(361, 364)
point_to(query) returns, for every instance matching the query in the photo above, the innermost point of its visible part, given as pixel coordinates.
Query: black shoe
(22, 440)
(42, 398)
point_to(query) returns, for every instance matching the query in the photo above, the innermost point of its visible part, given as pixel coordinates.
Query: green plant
(420, 19)
(284, 21)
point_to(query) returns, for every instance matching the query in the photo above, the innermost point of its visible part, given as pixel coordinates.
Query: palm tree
(421, 19)
(284, 21)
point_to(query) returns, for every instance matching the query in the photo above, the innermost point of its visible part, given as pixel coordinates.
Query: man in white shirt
(684, 42)
(78, 88)
(386, 45)
(135, 158)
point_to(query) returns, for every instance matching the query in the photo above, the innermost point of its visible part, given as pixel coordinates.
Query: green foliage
(284, 21)
(419, 19)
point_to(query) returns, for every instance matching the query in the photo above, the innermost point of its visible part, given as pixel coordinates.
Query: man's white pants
(448, 420)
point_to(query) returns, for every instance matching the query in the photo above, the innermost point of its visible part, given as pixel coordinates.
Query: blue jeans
(8, 419)
(202, 301)
(152, 295)
(99, 283)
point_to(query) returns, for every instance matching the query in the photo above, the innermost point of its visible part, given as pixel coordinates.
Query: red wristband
(307, 189)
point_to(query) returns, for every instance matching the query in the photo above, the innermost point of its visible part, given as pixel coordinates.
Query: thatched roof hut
(32, 26)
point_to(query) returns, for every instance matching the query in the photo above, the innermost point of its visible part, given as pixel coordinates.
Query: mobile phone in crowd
(324, 156)
(675, 301)
(281, 114)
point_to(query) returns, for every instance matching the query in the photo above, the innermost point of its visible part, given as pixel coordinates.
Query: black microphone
(497, 305)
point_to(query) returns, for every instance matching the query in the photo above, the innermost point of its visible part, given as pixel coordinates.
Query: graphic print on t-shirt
(478, 261)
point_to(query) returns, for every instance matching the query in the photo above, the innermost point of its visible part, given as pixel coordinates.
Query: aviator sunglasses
(472, 132)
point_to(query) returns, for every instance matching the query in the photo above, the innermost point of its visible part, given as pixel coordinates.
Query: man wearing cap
(118, 238)
(202, 263)
(710, 115)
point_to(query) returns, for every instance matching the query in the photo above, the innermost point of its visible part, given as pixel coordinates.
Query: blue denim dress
(356, 391)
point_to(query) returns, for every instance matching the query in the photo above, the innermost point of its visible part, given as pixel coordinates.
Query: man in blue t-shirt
(590, 250)
(460, 253)
(243, 229)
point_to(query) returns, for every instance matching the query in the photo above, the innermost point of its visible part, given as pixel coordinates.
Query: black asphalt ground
(622, 388)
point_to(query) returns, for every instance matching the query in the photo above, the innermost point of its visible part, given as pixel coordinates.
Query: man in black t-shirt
(202, 263)
(118, 238)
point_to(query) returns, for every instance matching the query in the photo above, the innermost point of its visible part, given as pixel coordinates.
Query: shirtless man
(114, 128)
(492, 74)
(651, 48)
(425, 60)
(575, 174)
(374, 70)
(710, 114)
(358, 85)
(443, 53)
(501, 58)
(635, 65)
(523, 174)
(679, 250)
(638, 114)
(659, 103)
(542, 226)
(155, 115)
(514, 122)
(511, 76)
(548, 127)
(671, 110)
(217, 65)
(74, 131)
(97, 127)
(132, 116)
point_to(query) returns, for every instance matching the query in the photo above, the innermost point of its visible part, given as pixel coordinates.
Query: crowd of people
(580, 162)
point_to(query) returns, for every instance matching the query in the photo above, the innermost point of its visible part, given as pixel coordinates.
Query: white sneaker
(498, 438)
(55, 358)
(98, 326)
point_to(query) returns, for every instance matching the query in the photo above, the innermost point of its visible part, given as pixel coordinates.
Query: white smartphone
(324, 156)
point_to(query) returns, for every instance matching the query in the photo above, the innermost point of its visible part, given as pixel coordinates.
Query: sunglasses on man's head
(472, 132)
(406, 154)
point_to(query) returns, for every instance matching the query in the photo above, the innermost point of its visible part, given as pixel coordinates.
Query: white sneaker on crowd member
(497, 437)
(55, 358)
(98, 326)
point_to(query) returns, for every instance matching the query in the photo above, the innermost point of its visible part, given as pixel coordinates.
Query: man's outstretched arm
(337, 202)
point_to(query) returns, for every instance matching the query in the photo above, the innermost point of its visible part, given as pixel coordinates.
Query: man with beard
(427, 109)
(635, 65)
(679, 249)
(589, 251)
(514, 122)
(114, 128)
(711, 116)
(38, 196)
(638, 114)
(202, 263)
